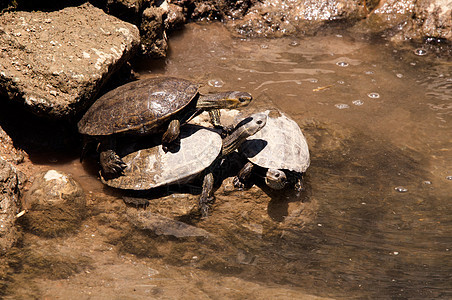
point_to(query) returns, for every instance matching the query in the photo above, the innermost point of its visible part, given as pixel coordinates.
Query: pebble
(449, 177)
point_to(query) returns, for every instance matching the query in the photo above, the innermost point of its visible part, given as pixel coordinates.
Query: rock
(10, 185)
(287, 17)
(175, 17)
(162, 225)
(152, 30)
(434, 18)
(7, 150)
(56, 62)
(410, 19)
(56, 204)
(126, 10)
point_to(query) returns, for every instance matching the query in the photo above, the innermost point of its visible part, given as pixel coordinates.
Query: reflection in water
(374, 218)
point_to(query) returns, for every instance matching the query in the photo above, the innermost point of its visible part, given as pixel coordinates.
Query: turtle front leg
(206, 194)
(171, 134)
(112, 165)
(215, 119)
(243, 176)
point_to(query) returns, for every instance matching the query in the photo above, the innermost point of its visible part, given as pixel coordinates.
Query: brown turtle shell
(138, 107)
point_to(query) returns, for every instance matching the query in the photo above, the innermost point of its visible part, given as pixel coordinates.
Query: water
(368, 225)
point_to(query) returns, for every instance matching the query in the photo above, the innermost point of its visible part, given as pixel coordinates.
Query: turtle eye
(277, 175)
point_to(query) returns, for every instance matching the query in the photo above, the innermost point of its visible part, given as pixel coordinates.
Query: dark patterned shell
(138, 107)
(279, 145)
(152, 167)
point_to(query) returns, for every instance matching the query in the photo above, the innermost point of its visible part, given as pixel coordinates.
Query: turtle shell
(152, 167)
(279, 145)
(138, 107)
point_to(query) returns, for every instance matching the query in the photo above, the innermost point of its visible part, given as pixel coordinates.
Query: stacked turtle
(270, 141)
(279, 151)
(162, 105)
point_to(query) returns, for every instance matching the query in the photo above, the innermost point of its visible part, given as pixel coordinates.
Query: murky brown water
(374, 221)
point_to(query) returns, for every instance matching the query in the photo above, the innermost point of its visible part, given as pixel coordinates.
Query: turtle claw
(238, 183)
(112, 164)
(204, 206)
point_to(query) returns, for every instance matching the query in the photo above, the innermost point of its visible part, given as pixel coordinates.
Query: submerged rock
(162, 225)
(10, 184)
(56, 204)
(56, 62)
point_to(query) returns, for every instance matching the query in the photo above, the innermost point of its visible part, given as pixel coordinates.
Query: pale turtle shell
(279, 145)
(152, 167)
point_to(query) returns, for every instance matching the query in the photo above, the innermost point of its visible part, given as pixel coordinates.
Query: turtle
(200, 154)
(149, 106)
(279, 150)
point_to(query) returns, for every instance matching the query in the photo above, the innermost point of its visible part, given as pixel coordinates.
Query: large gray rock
(56, 62)
(9, 204)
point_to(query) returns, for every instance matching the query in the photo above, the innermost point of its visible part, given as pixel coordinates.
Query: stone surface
(161, 225)
(287, 17)
(10, 184)
(152, 30)
(434, 18)
(55, 62)
(7, 150)
(55, 202)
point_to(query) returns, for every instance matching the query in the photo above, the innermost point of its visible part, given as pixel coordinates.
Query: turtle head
(229, 100)
(246, 128)
(275, 179)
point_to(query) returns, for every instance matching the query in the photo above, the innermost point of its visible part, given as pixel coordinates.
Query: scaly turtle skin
(280, 149)
(146, 107)
(201, 150)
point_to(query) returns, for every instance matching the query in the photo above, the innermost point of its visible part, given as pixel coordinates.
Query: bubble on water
(428, 182)
(313, 80)
(399, 75)
(357, 102)
(342, 106)
(342, 64)
(294, 43)
(216, 82)
(449, 177)
(413, 63)
(264, 46)
(420, 52)
(369, 72)
(401, 189)
(373, 95)
(340, 81)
